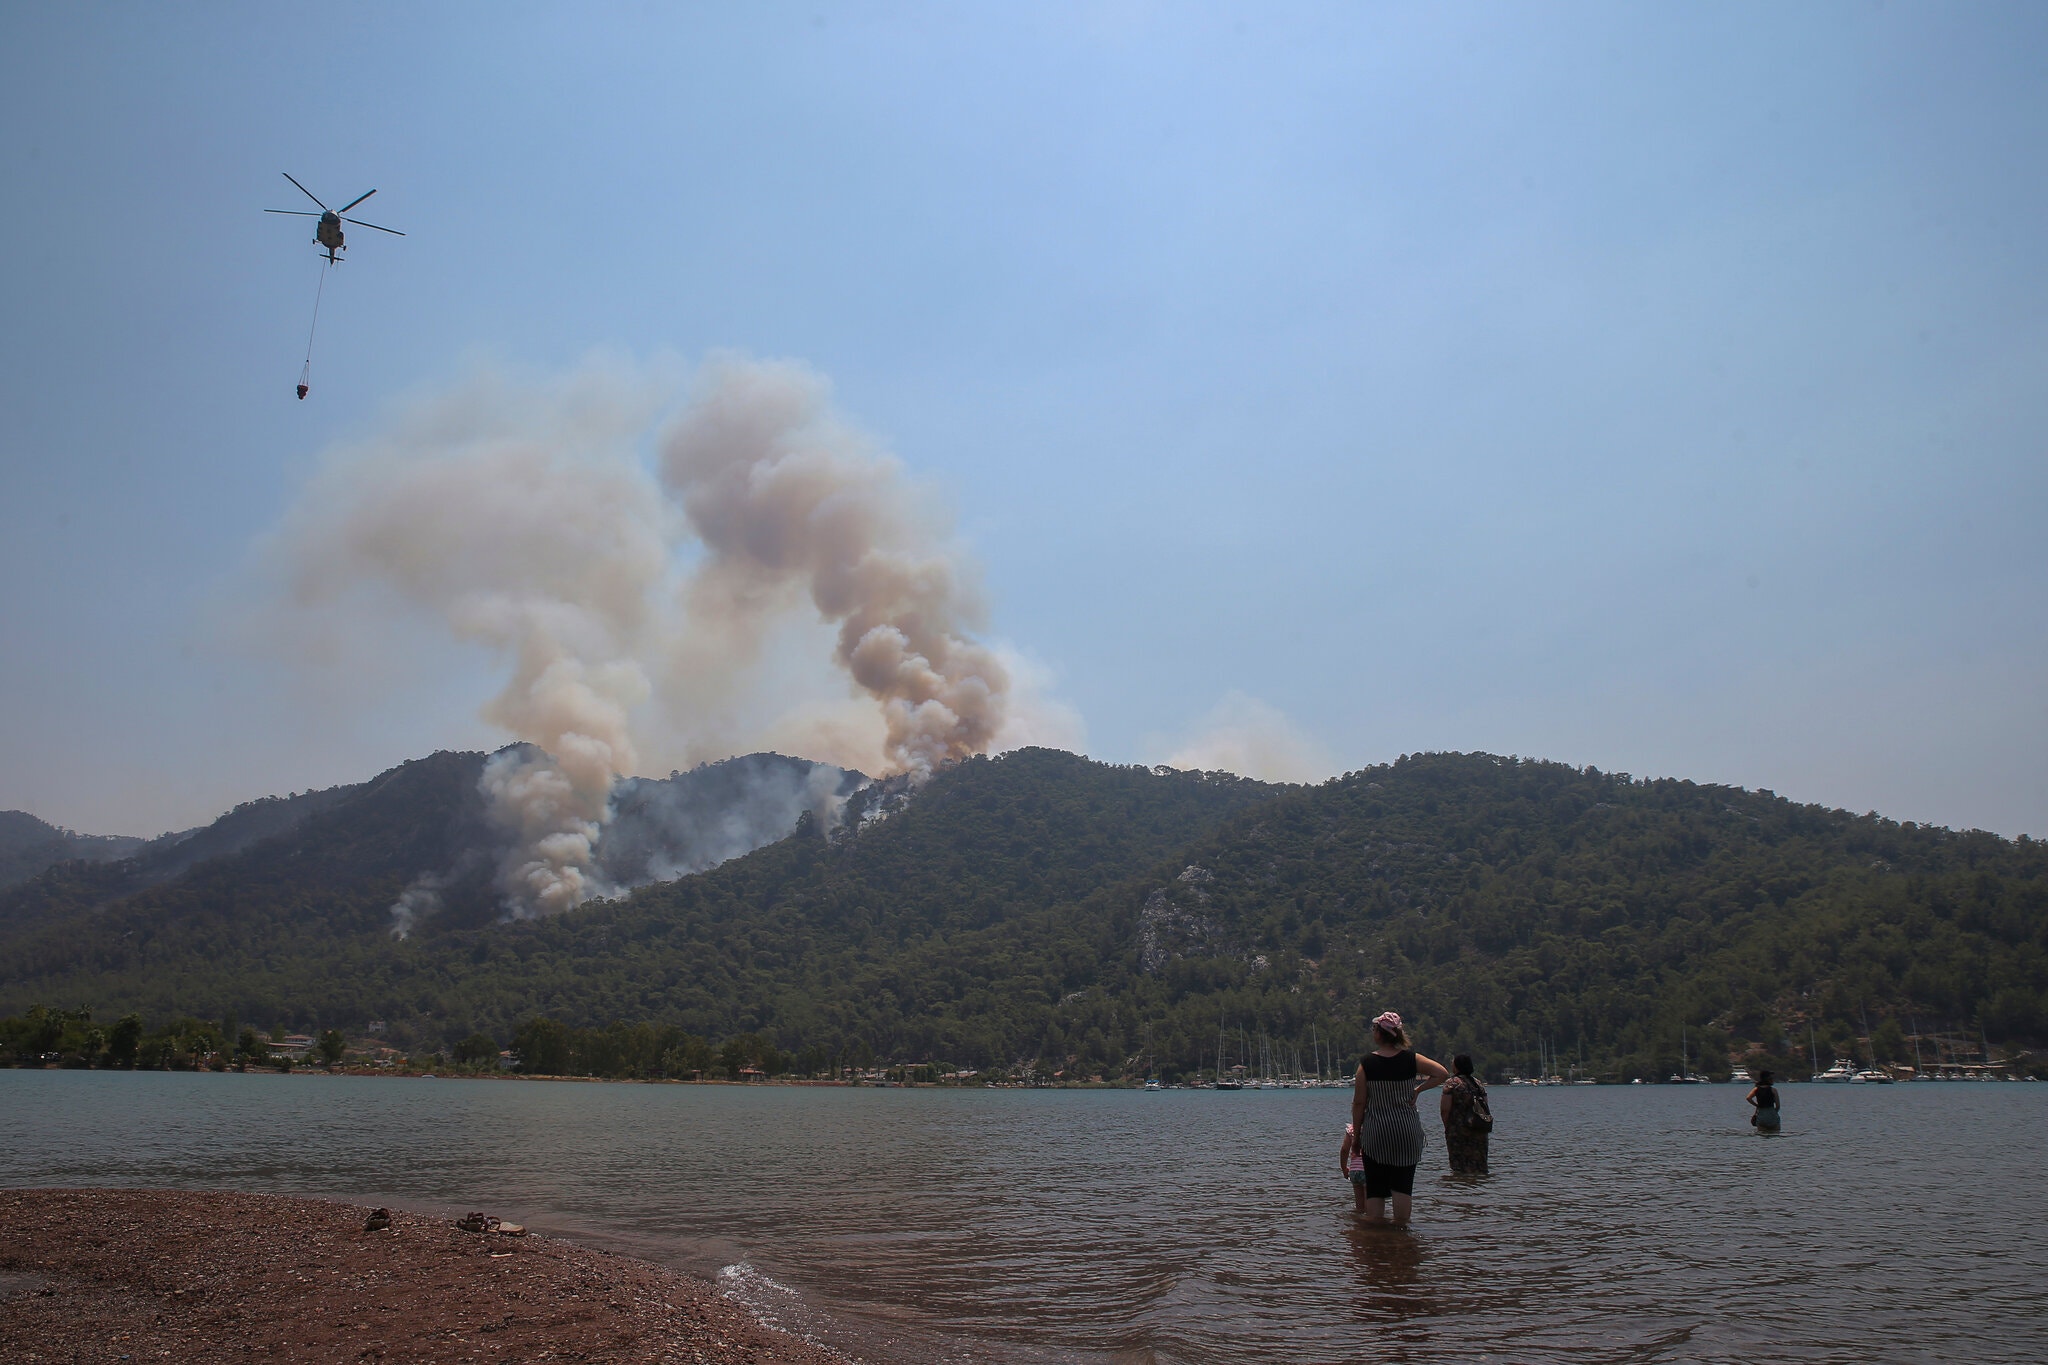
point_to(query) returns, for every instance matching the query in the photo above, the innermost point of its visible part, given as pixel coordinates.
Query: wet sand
(110, 1275)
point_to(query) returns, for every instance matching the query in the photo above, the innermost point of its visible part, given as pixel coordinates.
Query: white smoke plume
(1246, 736)
(506, 513)
(523, 516)
(662, 829)
(786, 499)
(419, 900)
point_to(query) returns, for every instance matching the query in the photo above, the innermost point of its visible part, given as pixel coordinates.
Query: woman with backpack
(1467, 1120)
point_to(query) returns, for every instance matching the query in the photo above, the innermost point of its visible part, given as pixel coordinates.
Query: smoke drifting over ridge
(629, 605)
(1242, 734)
(785, 496)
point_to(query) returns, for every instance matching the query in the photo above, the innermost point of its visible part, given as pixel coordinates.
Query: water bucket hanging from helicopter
(328, 236)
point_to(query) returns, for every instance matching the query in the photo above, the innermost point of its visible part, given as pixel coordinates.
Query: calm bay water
(1649, 1223)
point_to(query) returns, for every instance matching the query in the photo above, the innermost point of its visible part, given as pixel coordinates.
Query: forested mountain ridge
(28, 846)
(61, 887)
(297, 928)
(285, 882)
(1498, 902)
(275, 889)
(1094, 919)
(937, 930)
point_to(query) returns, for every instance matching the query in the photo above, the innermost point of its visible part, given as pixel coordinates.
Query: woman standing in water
(1764, 1096)
(1383, 1115)
(1467, 1120)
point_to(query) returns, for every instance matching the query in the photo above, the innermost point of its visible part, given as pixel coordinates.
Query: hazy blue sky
(1657, 387)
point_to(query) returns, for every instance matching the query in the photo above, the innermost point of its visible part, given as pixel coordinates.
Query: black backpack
(1478, 1118)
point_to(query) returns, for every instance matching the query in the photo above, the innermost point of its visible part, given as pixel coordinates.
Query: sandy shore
(142, 1275)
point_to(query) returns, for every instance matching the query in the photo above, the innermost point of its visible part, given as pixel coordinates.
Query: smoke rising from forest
(787, 498)
(1244, 735)
(635, 601)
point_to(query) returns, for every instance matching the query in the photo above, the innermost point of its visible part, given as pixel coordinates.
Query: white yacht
(1740, 1076)
(1870, 1075)
(1841, 1073)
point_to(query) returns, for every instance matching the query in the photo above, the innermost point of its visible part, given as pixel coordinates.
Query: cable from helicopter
(306, 373)
(328, 236)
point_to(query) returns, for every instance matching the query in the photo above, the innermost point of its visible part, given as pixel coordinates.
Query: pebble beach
(167, 1275)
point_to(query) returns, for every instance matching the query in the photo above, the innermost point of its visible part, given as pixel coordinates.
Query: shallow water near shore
(1650, 1223)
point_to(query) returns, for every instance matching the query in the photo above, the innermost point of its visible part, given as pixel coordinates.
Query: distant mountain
(297, 879)
(299, 923)
(1504, 906)
(1508, 907)
(940, 925)
(59, 890)
(28, 846)
(1099, 918)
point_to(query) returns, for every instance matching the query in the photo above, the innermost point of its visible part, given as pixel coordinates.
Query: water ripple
(1621, 1225)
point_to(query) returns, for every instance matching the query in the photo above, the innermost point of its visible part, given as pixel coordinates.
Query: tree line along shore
(544, 1047)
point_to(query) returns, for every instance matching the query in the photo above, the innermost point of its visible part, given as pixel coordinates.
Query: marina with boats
(1250, 1059)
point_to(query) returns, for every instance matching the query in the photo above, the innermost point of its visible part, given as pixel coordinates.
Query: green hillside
(253, 930)
(1091, 919)
(117, 869)
(1498, 902)
(29, 847)
(296, 929)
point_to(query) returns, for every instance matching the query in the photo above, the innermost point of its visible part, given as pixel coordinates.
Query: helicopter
(328, 232)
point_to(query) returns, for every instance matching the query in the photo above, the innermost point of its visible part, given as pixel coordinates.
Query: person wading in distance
(1467, 1119)
(1384, 1118)
(1764, 1097)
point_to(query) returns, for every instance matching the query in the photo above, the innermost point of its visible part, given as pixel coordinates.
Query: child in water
(1764, 1096)
(1351, 1162)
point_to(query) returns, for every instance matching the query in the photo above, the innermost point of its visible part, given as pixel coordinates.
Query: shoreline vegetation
(545, 1049)
(184, 1274)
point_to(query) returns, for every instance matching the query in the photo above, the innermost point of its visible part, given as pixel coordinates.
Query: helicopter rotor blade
(296, 213)
(303, 190)
(360, 223)
(353, 202)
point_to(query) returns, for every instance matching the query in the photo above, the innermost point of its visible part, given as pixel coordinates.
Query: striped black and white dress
(1391, 1133)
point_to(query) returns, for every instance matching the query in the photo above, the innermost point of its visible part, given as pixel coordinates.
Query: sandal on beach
(378, 1220)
